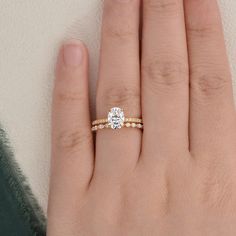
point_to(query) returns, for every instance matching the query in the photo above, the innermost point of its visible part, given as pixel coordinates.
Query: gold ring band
(103, 121)
(126, 125)
(117, 120)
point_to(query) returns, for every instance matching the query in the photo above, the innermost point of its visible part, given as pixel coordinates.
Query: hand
(178, 176)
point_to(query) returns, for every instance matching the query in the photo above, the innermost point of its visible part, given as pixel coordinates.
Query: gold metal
(134, 124)
(104, 121)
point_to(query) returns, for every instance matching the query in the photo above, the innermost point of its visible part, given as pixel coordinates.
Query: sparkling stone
(127, 125)
(139, 126)
(101, 126)
(116, 118)
(133, 125)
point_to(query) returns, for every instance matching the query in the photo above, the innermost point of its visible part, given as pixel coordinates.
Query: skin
(164, 61)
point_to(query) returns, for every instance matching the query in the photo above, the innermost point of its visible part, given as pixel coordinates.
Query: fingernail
(73, 54)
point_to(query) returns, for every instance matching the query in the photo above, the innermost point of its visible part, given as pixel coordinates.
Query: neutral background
(31, 32)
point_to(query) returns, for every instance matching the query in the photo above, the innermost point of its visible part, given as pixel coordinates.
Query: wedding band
(117, 120)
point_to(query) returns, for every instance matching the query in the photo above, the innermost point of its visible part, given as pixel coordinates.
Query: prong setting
(116, 118)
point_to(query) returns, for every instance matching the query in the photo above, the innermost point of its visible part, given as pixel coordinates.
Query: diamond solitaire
(116, 118)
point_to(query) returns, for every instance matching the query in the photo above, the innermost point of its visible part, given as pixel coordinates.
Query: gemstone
(133, 125)
(101, 126)
(127, 125)
(116, 118)
(139, 126)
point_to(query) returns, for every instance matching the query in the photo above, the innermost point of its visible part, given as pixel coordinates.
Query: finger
(211, 98)
(72, 148)
(164, 77)
(119, 86)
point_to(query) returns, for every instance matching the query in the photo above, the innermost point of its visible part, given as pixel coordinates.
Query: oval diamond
(116, 118)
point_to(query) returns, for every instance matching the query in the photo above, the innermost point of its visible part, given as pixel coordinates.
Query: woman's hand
(167, 64)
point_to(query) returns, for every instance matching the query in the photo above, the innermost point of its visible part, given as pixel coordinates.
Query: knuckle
(119, 32)
(162, 6)
(201, 32)
(69, 96)
(119, 21)
(209, 83)
(73, 141)
(164, 74)
(124, 96)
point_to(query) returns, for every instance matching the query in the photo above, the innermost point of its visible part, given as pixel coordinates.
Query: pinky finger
(72, 145)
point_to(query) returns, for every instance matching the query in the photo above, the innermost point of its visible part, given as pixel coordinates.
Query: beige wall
(30, 34)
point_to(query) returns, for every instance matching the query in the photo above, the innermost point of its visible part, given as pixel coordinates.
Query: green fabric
(20, 214)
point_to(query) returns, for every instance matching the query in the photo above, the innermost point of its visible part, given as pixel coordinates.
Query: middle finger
(165, 91)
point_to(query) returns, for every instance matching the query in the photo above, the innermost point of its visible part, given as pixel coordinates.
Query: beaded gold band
(126, 125)
(116, 120)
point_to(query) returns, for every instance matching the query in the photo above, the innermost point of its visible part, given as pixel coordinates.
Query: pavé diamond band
(117, 120)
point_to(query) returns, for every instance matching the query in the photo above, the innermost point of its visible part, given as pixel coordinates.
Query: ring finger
(119, 86)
